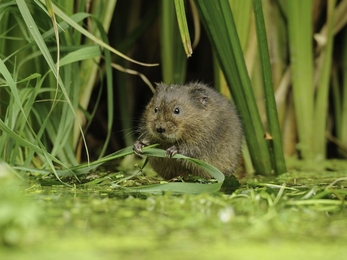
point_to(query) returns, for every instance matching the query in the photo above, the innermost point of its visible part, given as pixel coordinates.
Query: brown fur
(193, 120)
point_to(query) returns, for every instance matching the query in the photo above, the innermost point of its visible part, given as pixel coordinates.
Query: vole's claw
(137, 147)
(171, 151)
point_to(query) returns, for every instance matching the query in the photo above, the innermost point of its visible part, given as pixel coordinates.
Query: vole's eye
(176, 110)
(156, 109)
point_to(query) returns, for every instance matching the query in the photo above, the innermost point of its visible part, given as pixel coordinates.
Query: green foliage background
(75, 75)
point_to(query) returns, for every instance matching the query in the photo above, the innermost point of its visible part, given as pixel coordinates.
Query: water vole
(193, 120)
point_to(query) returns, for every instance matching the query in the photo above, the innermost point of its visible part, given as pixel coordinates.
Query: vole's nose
(160, 130)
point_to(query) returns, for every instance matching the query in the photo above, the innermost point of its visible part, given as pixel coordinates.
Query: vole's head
(176, 112)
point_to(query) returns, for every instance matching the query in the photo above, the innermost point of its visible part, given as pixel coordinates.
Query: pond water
(293, 215)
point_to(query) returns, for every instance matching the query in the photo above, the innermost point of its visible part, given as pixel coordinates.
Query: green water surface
(293, 216)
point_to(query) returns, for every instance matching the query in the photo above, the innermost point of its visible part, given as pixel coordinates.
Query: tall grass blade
(275, 142)
(109, 86)
(323, 72)
(299, 15)
(242, 16)
(174, 62)
(183, 27)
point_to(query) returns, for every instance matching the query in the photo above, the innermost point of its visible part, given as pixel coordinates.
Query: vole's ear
(204, 100)
(200, 95)
(159, 86)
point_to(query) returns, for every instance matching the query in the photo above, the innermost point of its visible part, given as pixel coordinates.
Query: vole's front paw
(137, 147)
(171, 151)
